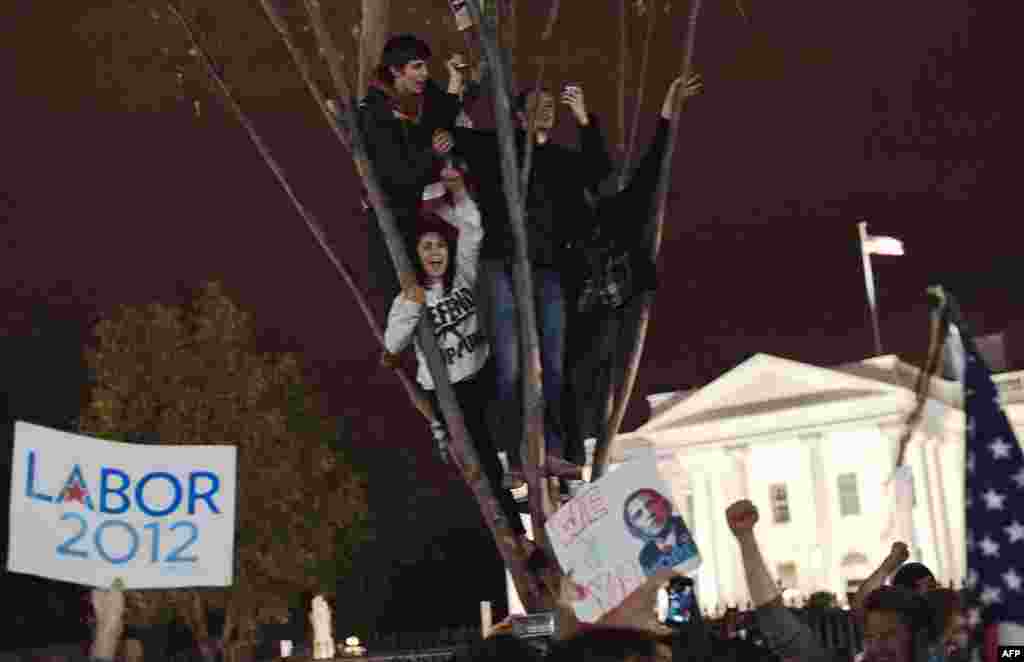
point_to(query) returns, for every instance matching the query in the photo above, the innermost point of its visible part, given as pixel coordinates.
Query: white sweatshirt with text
(460, 336)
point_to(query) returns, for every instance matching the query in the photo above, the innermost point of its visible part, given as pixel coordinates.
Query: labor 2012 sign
(89, 511)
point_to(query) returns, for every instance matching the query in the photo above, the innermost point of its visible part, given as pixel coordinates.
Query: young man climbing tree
(614, 265)
(401, 119)
(556, 212)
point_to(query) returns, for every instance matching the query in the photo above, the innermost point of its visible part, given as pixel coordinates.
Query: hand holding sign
(108, 605)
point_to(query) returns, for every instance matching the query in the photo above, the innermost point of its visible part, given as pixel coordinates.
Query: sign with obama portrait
(89, 511)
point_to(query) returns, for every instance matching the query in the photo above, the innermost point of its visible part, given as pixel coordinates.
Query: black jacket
(623, 218)
(403, 161)
(557, 211)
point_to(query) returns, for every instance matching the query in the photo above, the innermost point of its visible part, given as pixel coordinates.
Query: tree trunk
(533, 399)
(373, 33)
(636, 323)
(508, 41)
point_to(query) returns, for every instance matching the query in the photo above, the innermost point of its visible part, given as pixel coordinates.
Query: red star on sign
(75, 493)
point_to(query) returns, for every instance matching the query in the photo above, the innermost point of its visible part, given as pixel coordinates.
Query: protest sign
(89, 511)
(616, 533)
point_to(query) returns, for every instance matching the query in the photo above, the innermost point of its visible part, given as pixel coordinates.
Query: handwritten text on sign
(88, 511)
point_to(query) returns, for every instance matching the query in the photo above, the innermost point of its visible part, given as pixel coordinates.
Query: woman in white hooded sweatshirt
(450, 227)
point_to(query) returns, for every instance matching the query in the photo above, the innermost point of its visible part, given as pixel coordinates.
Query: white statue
(320, 617)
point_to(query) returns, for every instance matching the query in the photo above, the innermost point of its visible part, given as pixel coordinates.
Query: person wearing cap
(445, 245)
(400, 119)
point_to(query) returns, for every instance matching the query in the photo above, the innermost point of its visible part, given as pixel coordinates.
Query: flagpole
(869, 285)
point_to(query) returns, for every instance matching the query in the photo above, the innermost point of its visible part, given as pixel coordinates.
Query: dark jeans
(549, 303)
(474, 395)
(591, 344)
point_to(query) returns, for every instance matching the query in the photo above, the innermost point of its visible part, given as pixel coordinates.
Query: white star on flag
(1019, 479)
(972, 578)
(991, 594)
(1000, 449)
(970, 462)
(993, 500)
(970, 427)
(1015, 531)
(989, 547)
(1012, 579)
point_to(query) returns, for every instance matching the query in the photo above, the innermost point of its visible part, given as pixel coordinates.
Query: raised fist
(742, 516)
(899, 554)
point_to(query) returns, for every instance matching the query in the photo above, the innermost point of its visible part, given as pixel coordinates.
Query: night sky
(113, 192)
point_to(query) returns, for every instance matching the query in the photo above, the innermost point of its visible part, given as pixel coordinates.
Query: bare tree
(340, 115)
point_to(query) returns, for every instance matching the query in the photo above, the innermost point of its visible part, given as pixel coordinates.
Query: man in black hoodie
(556, 213)
(621, 221)
(401, 119)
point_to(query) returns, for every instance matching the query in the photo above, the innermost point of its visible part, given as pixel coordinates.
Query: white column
(709, 581)
(740, 459)
(943, 507)
(822, 508)
(929, 498)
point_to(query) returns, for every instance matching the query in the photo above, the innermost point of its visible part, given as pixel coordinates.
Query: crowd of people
(904, 615)
(444, 183)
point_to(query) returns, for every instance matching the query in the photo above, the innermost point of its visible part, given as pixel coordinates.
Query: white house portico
(813, 447)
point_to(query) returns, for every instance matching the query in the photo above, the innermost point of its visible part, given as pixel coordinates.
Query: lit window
(780, 503)
(849, 499)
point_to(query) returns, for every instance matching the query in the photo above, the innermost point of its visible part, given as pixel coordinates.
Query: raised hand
(572, 96)
(415, 293)
(456, 66)
(443, 142)
(899, 554)
(742, 516)
(694, 86)
(389, 360)
(108, 606)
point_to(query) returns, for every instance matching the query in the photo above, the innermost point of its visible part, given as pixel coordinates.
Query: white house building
(813, 448)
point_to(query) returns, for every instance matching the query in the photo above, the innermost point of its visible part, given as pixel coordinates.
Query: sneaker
(513, 480)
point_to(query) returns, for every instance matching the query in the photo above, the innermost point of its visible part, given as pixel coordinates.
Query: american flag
(995, 513)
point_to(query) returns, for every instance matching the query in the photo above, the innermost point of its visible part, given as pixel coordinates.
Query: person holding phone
(556, 213)
(401, 119)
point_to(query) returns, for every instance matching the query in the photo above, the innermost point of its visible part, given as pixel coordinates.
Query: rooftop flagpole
(869, 285)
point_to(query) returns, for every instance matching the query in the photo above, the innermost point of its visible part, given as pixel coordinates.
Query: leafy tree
(191, 375)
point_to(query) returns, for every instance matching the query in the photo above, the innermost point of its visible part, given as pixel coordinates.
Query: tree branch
(636, 325)
(638, 105)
